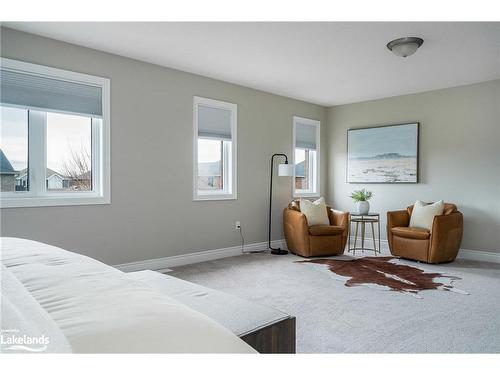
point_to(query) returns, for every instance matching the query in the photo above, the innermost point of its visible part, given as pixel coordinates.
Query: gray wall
(152, 213)
(152, 136)
(459, 155)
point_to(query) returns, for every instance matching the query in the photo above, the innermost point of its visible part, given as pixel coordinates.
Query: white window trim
(37, 196)
(231, 179)
(317, 124)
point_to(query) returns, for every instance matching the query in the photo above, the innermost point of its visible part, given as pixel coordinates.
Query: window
(14, 150)
(69, 145)
(214, 149)
(54, 144)
(306, 140)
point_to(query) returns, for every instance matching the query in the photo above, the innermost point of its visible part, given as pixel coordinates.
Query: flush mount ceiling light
(404, 47)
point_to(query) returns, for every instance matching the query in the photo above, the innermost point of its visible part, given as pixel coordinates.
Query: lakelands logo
(12, 340)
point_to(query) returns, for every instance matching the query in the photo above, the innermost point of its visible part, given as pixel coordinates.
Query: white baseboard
(484, 256)
(201, 256)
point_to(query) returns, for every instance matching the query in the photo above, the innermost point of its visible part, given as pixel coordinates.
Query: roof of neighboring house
(48, 173)
(56, 175)
(300, 169)
(5, 166)
(208, 169)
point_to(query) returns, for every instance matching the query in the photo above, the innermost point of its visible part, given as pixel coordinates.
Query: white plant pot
(363, 207)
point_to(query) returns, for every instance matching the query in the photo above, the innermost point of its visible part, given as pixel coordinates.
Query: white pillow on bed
(423, 214)
(315, 212)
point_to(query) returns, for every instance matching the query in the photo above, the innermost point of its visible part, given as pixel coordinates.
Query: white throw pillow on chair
(315, 212)
(423, 214)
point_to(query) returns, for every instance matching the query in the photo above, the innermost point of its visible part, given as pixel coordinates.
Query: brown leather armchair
(316, 240)
(439, 245)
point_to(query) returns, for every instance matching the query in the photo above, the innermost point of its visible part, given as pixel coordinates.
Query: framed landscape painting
(384, 154)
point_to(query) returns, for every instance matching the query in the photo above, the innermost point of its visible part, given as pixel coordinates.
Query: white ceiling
(325, 63)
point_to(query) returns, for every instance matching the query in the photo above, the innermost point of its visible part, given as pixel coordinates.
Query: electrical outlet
(237, 225)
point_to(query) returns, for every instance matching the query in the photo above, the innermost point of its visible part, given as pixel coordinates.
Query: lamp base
(279, 252)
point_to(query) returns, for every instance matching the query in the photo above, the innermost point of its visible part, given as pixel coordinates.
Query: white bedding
(238, 315)
(100, 310)
(22, 316)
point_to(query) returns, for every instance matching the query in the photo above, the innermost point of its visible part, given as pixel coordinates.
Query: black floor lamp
(283, 170)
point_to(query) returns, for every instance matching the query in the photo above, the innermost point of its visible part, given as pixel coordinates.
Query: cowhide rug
(387, 273)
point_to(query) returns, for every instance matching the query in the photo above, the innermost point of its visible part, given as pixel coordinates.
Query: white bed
(97, 308)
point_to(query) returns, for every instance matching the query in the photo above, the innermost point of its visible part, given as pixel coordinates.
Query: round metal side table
(360, 220)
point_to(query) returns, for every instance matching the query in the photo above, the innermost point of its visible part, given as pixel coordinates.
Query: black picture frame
(417, 169)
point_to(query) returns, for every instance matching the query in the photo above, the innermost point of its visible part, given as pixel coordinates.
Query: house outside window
(54, 143)
(306, 140)
(214, 149)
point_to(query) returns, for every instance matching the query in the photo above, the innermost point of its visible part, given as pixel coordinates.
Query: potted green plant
(361, 197)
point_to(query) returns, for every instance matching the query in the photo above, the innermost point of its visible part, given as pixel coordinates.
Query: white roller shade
(305, 136)
(44, 92)
(214, 122)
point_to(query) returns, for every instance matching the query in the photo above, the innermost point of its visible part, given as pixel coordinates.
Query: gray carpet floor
(333, 318)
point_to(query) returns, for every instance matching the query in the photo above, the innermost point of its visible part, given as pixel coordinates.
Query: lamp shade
(285, 170)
